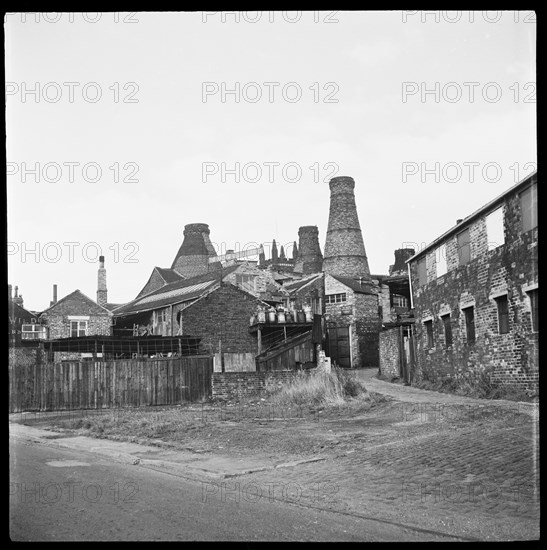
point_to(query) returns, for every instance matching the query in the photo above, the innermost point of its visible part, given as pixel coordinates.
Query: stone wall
(237, 385)
(510, 268)
(389, 352)
(360, 313)
(57, 317)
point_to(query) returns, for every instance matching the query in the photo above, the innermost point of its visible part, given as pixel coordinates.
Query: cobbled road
(438, 462)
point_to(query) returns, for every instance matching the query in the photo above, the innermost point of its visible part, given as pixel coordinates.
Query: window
(399, 301)
(529, 208)
(494, 229)
(464, 247)
(161, 316)
(503, 314)
(246, 282)
(422, 272)
(533, 295)
(469, 313)
(335, 298)
(33, 332)
(78, 328)
(429, 333)
(440, 259)
(447, 329)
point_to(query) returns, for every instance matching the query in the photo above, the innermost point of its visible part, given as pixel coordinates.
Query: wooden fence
(107, 384)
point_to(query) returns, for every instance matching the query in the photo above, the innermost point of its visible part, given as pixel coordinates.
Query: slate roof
(77, 293)
(366, 287)
(175, 293)
(297, 285)
(15, 311)
(169, 275)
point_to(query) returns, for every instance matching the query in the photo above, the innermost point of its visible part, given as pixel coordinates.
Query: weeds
(320, 389)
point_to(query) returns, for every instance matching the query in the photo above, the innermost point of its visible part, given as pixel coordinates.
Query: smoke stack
(54, 301)
(18, 298)
(294, 251)
(309, 258)
(401, 256)
(10, 294)
(102, 294)
(192, 259)
(344, 248)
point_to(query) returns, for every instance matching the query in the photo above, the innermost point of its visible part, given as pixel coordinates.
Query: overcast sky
(384, 97)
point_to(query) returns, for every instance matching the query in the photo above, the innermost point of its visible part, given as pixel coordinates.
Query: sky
(123, 128)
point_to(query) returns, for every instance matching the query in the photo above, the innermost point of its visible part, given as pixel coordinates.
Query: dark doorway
(339, 348)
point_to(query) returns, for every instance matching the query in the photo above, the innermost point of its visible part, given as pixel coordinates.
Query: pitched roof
(15, 311)
(169, 275)
(79, 294)
(366, 287)
(297, 285)
(175, 293)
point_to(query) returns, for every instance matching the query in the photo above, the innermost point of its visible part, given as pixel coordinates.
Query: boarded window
(447, 329)
(422, 272)
(533, 295)
(494, 229)
(528, 208)
(429, 333)
(440, 258)
(464, 247)
(469, 313)
(503, 314)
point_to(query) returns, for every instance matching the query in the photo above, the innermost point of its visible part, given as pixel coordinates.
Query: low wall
(237, 385)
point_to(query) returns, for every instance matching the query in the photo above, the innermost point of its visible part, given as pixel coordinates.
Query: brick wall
(512, 267)
(389, 352)
(222, 315)
(238, 385)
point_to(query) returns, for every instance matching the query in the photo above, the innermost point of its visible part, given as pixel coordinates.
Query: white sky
(169, 131)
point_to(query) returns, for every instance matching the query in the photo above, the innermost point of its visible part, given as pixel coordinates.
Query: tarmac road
(59, 494)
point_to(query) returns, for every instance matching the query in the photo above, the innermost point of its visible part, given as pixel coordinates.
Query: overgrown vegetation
(321, 388)
(478, 384)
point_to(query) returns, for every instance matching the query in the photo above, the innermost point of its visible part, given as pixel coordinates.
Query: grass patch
(321, 389)
(479, 386)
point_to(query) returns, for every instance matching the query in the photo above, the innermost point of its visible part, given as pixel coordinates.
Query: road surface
(59, 494)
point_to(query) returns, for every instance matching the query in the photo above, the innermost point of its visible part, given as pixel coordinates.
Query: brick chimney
(345, 253)
(192, 259)
(54, 301)
(401, 256)
(18, 298)
(101, 284)
(10, 293)
(309, 258)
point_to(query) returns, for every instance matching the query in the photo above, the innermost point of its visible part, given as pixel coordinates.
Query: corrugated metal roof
(177, 292)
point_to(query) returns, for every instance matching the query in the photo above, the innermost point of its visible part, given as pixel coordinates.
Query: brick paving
(471, 470)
